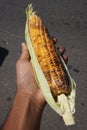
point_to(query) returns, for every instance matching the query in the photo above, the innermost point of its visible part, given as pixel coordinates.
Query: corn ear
(65, 104)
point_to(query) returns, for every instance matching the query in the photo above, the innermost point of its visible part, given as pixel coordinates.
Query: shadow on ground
(3, 53)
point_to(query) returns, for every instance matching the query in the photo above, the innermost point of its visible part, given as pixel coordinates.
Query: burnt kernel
(56, 61)
(64, 86)
(60, 75)
(67, 79)
(55, 56)
(58, 69)
(58, 83)
(47, 75)
(48, 78)
(47, 72)
(51, 62)
(45, 45)
(46, 65)
(39, 56)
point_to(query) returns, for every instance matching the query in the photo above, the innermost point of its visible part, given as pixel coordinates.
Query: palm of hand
(26, 82)
(24, 69)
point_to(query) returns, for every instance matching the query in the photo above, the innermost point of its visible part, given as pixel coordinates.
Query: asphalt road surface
(65, 19)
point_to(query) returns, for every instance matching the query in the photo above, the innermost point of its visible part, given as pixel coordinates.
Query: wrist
(36, 99)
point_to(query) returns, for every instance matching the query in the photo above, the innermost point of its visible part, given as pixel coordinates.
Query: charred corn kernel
(47, 56)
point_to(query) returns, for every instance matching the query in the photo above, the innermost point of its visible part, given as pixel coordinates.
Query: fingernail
(23, 43)
(60, 50)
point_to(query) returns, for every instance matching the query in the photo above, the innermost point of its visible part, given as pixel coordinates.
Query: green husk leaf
(42, 82)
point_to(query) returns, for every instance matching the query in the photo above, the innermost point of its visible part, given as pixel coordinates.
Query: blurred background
(67, 21)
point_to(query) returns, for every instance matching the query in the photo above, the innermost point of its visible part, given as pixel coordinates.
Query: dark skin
(29, 101)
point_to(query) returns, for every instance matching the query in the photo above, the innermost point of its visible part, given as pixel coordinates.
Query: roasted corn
(47, 56)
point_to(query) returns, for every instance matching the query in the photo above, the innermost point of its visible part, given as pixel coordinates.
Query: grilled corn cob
(51, 72)
(47, 56)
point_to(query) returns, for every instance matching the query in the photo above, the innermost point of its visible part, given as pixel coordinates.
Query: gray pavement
(65, 19)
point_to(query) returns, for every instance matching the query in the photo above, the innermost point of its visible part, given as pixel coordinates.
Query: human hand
(25, 75)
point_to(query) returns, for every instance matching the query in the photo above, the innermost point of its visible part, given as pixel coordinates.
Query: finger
(61, 49)
(25, 53)
(54, 39)
(65, 57)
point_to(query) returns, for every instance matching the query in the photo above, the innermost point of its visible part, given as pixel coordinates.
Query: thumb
(25, 53)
